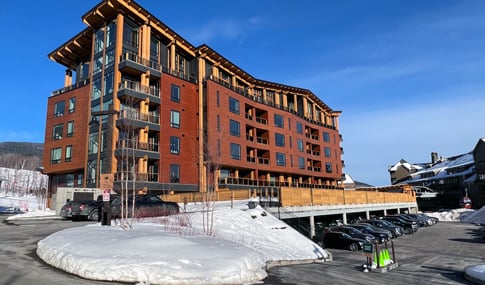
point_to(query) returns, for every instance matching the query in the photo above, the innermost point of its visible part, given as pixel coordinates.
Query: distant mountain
(21, 155)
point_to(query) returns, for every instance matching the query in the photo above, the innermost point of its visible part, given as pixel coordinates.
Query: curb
(473, 279)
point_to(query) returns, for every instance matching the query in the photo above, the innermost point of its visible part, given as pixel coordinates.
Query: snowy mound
(173, 250)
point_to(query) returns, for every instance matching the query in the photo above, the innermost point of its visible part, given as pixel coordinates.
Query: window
(70, 128)
(99, 42)
(235, 151)
(68, 153)
(280, 159)
(70, 180)
(218, 123)
(234, 105)
(278, 121)
(175, 93)
(234, 128)
(328, 152)
(217, 98)
(174, 119)
(326, 137)
(328, 167)
(96, 89)
(299, 128)
(174, 173)
(59, 109)
(93, 143)
(175, 145)
(279, 139)
(56, 154)
(301, 162)
(300, 145)
(57, 131)
(108, 83)
(72, 104)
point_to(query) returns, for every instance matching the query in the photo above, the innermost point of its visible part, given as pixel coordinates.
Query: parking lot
(434, 255)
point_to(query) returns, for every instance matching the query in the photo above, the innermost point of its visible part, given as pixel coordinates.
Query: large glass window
(234, 105)
(328, 167)
(109, 58)
(174, 119)
(300, 145)
(57, 131)
(99, 41)
(174, 145)
(301, 162)
(96, 89)
(328, 152)
(93, 143)
(56, 155)
(235, 151)
(279, 139)
(108, 84)
(174, 173)
(68, 153)
(280, 159)
(59, 109)
(72, 104)
(326, 137)
(110, 34)
(299, 128)
(175, 93)
(70, 128)
(278, 121)
(70, 180)
(235, 129)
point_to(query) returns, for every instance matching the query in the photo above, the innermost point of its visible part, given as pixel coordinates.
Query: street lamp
(106, 210)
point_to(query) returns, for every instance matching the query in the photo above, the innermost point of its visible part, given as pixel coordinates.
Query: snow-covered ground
(174, 250)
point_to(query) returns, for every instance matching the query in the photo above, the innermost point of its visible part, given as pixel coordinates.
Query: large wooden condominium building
(141, 105)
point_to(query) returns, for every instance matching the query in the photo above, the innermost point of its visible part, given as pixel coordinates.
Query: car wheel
(94, 215)
(353, 247)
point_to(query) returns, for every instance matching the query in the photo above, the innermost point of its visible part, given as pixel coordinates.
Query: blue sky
(407, 75)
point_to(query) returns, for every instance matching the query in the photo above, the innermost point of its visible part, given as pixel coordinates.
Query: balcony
(76, 85)
(187, 77)
(133, 64)
(262, 140)
(132, 117)
(136, 90)
(134, 148)
(140, 177)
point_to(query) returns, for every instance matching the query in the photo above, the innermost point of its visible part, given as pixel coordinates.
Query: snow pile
(455, 215)
(475, 217)
(173, 250)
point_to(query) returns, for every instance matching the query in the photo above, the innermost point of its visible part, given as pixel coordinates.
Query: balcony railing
(188, 77)
(265, 183)
(262, 140)
(313, 152)
(137, 87)
(259, 99)
(261, 120)
(130, 176)
(137, 116)
(76, 85)
(134, 144)
(133, 57)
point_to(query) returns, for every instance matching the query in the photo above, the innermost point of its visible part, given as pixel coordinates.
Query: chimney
(434, 157)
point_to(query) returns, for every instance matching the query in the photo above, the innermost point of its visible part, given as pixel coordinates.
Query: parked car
(409, 227)
(396, 230)
(342, 241)
(380, 235)
(81, 210)
(407, 218)
(66, 210)
(146, 206)
(353, 232)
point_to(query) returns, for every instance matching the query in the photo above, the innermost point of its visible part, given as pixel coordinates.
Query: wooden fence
(302, 196)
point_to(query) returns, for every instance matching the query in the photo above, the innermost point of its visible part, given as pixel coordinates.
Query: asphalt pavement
(434, 255)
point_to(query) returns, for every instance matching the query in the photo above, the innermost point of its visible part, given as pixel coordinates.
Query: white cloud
(224, 28)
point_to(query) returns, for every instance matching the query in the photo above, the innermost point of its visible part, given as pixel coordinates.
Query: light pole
(106, 210)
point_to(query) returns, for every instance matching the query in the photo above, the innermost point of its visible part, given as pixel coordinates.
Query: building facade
(143, 107)
(453, 178)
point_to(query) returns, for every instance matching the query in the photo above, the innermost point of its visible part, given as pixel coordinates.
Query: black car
(380, 235)
(396, 230)
(83, 209)
(409, 227)
(145, 206)
(353, 232)
(342, 241)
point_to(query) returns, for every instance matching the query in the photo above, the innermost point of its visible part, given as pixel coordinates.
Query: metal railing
(137, 87)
